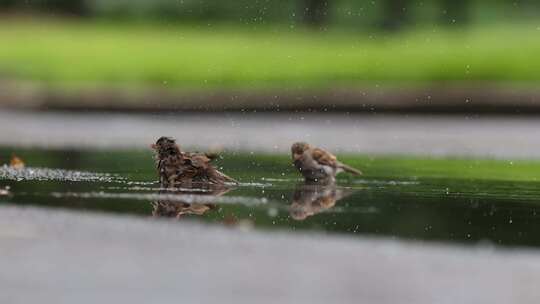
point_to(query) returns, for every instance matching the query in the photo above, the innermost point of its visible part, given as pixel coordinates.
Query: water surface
(433, 203)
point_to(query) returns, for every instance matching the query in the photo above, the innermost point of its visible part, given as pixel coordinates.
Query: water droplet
(272, 212)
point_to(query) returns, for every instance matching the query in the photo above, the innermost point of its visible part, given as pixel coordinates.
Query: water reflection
(310, 199)
(187, 202)
(5, 191)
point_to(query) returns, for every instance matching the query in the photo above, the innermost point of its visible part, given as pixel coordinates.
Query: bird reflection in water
(179, 203)
(310, 199)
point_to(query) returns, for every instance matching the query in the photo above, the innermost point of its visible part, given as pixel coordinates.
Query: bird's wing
(210, 155)
(323, 157)
(198, 160)
(201, 163)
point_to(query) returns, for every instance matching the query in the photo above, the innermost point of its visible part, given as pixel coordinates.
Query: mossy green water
(456, 200)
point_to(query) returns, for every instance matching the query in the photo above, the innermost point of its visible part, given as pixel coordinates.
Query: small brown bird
(183, 169)
(318, 165)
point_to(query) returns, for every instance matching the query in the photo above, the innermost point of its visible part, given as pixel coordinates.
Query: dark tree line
(315, 13)
(73, 7)
(395, 13)
(455, 11)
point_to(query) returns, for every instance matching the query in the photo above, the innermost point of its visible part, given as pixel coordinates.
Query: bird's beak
(153, 146)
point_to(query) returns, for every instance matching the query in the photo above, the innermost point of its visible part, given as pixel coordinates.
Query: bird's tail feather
(226, 178)
(349, 169)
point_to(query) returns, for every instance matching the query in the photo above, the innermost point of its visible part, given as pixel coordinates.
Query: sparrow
(318, 165)
(310, 199)
(184, 169)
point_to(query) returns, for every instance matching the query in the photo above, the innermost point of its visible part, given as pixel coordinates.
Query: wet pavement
(63, 257)
(485, 136)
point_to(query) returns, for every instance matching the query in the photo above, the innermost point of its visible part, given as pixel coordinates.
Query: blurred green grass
(69, 53)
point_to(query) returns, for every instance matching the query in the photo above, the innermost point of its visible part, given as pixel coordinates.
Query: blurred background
(434, 55)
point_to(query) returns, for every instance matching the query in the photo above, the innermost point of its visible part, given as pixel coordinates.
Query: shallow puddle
(436, 206)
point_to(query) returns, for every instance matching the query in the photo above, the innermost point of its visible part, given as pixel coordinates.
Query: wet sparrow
(318, 165)
(184, 169)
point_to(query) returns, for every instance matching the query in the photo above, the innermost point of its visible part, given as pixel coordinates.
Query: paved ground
(61, 257)
(491, 136)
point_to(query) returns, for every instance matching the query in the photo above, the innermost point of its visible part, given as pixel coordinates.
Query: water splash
(385, 182)
(49, 174)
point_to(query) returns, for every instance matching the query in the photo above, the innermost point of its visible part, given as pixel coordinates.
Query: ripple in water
(184, 198)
